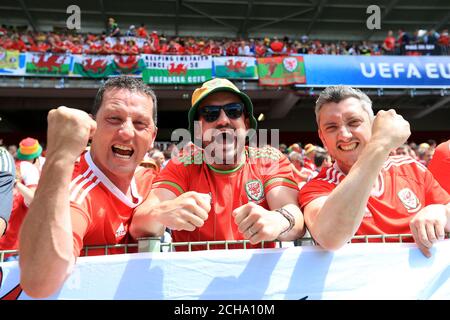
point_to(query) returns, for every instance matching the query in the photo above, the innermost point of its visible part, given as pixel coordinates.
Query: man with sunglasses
(221, 189)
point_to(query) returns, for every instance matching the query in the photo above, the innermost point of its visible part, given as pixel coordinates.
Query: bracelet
(289, 216)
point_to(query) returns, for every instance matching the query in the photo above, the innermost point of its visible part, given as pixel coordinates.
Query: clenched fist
(259, 224)
(390, 129)
(187, 212)
(68, 132)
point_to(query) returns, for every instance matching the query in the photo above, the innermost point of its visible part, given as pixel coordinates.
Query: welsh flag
(93, 66)
(235, 67)
(132, 64)
(48, 63)
(280, 71)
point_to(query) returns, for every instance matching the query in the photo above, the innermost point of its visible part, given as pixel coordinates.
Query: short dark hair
(128, 83)
(320, 156)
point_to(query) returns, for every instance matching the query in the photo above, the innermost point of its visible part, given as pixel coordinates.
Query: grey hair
(338, 93)
(128, 83)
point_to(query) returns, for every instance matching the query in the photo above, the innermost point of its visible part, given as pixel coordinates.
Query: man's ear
(152, 141)
(247, 123)
(321, 136)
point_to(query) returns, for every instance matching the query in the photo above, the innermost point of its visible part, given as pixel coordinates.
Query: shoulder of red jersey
(332, 175)
(403, 163)
(189, 155)
(266, 152)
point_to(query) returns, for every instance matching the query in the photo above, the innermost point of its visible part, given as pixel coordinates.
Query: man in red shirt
(440, 165)
(93, 204)
(366, 191)
(220, 189)
(389, 43)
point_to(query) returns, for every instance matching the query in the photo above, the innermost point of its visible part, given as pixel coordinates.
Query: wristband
(290, 217)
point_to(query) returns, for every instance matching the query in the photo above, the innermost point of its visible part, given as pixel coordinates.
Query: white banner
(357, 271)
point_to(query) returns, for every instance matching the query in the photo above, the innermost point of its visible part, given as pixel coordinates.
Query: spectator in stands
(142, 31)
(12, 149)
(231, 49)
(236, 193)
(97, 206)
(7, 178)
(364, 49)
(321, 160)
(148, 162)
(403, 150)
(431, 37)
(362, 193)
(244, 49)
(301, 173)
(277, 47)
(260, 49)
(440, 165)
(444, 42)
(310, 151)
(158, 157)
(112, 29)
(131, 32)
(389, 43)
(423, 154)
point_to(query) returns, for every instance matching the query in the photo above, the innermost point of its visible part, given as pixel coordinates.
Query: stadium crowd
(364, 180)
(133, 41)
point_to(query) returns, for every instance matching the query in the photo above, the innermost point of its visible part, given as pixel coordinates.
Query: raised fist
(68, 132)
(390, 129)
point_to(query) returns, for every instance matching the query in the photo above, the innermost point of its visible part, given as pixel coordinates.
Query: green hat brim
(245, 98)
(31, 156)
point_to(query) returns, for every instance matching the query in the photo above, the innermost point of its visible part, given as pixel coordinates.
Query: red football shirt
(404, 186)
(440, 165)
(10, 240)
(263, 170)
(101, 213)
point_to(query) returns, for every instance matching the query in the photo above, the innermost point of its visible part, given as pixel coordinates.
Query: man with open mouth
(366, 192)
(221, 189)
(90, 202)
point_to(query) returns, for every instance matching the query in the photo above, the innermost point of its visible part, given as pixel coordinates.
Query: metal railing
(155, 244)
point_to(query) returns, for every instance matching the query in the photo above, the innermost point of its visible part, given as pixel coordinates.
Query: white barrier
(357, 271)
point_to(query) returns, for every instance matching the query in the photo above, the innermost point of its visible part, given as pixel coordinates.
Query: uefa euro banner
(165, 69)
(235, 67)
(378, 71)
(48, 63)
(280, 71)
(12, 63)
(357, 271)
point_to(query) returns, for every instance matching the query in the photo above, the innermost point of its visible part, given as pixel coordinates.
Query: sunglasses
(232, 110)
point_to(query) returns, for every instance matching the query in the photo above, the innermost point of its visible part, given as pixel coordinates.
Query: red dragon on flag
(178, 69)
(236, 66)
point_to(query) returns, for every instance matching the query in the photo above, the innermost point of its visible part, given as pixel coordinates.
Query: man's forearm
(341, 215)
(145, 222)
(46, 241)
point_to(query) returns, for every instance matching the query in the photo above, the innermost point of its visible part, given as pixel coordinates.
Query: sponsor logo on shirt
(120, 232)
(409, 200)
(254, 190)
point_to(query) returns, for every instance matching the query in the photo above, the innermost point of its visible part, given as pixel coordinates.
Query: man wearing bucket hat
(28, 154)
(221, 189)
(91, 203)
